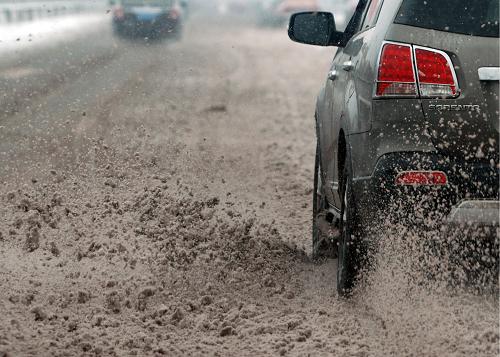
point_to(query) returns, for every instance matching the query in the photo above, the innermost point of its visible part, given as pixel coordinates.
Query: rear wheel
(349, 247)
(118, 29)
(322, 246)
(177, 34)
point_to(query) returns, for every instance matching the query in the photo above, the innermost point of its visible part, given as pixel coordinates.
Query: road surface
(156, 200)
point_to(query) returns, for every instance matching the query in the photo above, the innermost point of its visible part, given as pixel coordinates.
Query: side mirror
(314, 28)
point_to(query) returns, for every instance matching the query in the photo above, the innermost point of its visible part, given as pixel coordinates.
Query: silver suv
(409, 109)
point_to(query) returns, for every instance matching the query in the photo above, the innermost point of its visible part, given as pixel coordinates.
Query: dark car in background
(407, 122)
(147, 18)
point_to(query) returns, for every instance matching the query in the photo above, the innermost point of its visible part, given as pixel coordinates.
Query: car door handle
(332, 75)
(347, 66)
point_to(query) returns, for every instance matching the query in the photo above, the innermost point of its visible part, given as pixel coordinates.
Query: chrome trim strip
(489, 73)
(334, 210)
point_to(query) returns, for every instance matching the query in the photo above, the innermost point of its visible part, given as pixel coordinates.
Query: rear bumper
(470, 197)
(479, 212)
(160, 25)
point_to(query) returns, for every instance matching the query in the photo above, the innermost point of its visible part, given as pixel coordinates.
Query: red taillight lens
(175, 13)
(396, 76)
(118, 13)
(435, 74)
(421, 178)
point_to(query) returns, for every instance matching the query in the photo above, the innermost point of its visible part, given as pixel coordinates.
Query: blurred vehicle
(185, 7)
(267, 13)
(277, 12)
(407, 123)
(147, 18)
(236, 7)
(288, 7)
(343, 10)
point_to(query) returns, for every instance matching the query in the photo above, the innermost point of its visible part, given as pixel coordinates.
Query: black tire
(321, 246)
(178, 32)
(349, 246)
(119, 29)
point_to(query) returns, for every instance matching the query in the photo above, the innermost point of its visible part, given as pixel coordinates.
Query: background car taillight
(434, 77)
(175, 13)
(118, 13)
(396, 76)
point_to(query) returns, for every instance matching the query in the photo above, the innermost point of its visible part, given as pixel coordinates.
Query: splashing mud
(424, 302)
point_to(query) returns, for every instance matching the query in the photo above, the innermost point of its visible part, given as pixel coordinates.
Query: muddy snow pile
(126, 259)
(117, 260)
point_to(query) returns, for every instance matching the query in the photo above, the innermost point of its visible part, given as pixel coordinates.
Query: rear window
(469, 17)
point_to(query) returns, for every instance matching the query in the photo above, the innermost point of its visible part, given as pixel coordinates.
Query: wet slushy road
(156, 200)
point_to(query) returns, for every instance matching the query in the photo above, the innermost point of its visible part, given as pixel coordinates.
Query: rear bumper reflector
(421, 178)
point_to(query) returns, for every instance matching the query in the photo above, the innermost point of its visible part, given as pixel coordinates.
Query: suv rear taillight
(434, 78)
(396, 76)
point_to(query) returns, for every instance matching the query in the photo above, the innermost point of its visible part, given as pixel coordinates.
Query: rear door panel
(330, 123)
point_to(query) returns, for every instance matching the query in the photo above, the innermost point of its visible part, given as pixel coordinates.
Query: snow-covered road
(155, 199)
